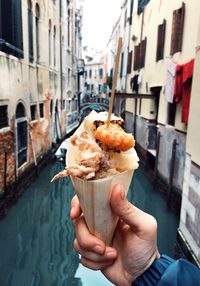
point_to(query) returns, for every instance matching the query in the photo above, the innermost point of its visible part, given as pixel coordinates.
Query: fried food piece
(92, 158)
(114, 137)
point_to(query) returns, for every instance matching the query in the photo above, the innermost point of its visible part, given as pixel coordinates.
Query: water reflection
(36, 237)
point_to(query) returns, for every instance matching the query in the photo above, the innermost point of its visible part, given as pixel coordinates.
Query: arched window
(54, 44)
(21, 135)
(20, 110)
(30, 30)
(50, 55)
(37, 30)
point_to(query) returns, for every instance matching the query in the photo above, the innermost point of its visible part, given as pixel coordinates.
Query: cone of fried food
(99, 157)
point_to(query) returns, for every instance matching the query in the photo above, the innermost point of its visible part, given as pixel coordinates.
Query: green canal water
(36, 236)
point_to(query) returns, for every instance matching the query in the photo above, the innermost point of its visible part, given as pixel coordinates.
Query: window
(20, 111)
(161, 41)
(90, 73)
(11, 35)
(177, 30)
(21, 134)
(100, 73)
(54, 45)
(63, 104)
(33, 112)
(50, 43)
(68, 28)
(125, 18)
(122, 63)
(131, 12)
(140, 54)
(30, 31)
(141, 5)
(3, 116)
(69, 77)
(41, 107)
(129, 62)
(85, 74)
(37, 31)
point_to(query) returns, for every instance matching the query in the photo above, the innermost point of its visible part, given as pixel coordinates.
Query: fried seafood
(114, 137)
(98, 151)
(91, 158)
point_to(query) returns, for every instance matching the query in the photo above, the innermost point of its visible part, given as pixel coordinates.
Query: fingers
(93, 260)
(75, 208)
(138, 220)
(86, 240)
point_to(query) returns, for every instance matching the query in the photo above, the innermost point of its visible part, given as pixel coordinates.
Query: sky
(99, 16)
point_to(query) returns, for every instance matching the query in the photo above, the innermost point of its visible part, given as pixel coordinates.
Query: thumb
(134, 217)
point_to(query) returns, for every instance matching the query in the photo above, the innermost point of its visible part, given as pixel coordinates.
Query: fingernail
(98, 249)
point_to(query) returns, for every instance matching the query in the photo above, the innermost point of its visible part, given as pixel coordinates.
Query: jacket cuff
(152, 275)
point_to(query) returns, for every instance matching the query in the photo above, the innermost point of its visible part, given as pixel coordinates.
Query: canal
(36, 236)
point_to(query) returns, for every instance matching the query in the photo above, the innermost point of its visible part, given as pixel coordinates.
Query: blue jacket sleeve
(168, 272)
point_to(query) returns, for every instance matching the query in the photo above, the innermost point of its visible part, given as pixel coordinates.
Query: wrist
(152, 275)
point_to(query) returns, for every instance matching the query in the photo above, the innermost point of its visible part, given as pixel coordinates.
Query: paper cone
(94, 197)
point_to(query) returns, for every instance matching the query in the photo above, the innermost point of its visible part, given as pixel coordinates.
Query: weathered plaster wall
(190, 209)
(168, 135)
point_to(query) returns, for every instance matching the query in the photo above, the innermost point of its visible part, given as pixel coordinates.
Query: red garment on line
(183, 86)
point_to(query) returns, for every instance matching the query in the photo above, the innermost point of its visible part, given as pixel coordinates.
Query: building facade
(95, 74)
(40, 45)
(159, 79)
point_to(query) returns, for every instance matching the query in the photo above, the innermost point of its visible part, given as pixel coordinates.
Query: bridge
(97, 104)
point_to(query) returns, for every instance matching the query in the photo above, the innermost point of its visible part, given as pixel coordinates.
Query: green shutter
(30, 34)
(11, 27)
(141, 5)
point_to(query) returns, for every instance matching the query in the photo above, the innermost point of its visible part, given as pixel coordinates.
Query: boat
(62, 150)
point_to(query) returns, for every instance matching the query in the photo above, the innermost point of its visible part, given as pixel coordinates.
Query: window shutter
(11, 27)
(129, 62)
(161, 41)
(131, 12)
(180, 27)
(30, 34)
(17, 27)
(142, 53)
(6, 27)
(122, 63)
(136, 57)
(173, 39)
(141, 5)
(177, 30)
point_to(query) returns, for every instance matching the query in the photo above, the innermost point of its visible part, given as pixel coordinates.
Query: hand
(134, 245)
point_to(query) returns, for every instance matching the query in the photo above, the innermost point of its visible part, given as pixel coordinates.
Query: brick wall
(7, 145)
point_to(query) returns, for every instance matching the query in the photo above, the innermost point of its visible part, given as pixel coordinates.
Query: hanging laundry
(183, 86)
(170, 82)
